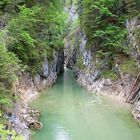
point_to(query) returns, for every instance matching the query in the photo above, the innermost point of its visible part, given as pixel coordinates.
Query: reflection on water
(68, 112)
(62, 134)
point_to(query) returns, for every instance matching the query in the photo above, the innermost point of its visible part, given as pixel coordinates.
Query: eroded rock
(30, 117)
(35, 125)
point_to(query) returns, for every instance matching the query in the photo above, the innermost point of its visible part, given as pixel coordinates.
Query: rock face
(27, 88)
(88, 74)
(50, 71)
(88, 68)
(133, 27)
(136, 111)
(30, 117)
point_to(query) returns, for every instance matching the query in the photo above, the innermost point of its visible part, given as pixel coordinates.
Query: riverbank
(23, 117)
(28, 88)
(113, 71)
(94, 74)
(117, 90)
(67, 104)
(29, 93)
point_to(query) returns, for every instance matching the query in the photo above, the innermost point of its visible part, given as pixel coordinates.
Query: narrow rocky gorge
(27, 89)
(101, 72)
(89, 68)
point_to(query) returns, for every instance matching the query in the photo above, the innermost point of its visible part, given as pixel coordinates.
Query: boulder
(35, 125)
(30, 117)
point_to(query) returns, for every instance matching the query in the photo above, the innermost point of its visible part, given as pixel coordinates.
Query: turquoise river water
(69, 112)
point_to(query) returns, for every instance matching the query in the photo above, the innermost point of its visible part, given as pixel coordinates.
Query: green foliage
(8, 69)
(109, 74)
(132, 7)
(34, 30)
(25, 37)
(35, 33)
(5, 133)
(10, 6)
(79, 64)
(103, 24)
(128, 65)
(4, 3)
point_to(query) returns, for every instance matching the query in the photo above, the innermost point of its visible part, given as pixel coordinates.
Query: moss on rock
(129, 66)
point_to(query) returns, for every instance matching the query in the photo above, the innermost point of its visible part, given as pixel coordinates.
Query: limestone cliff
(98, 74)
(27, 89)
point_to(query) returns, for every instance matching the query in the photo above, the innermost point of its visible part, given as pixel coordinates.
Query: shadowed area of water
(68, 112)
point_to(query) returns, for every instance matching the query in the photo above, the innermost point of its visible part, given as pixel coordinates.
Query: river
(69, 112)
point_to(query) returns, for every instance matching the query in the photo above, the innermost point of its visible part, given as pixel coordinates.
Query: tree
(36, 33)
(8, 69)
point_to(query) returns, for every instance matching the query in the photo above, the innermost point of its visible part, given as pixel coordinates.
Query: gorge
(49, 49)
(69, 112)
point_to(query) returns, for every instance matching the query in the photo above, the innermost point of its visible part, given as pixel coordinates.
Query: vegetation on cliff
(8, 70)
(30, 31)
(104, 24)
(33, 32)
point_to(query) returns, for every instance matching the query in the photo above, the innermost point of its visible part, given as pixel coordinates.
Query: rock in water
(30, 117)
(35, 125)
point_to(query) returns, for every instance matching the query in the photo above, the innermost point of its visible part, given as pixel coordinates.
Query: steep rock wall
(90, 69)
(27, 89)
(133, 27)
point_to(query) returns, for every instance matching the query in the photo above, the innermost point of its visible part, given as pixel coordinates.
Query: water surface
(68, 112)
